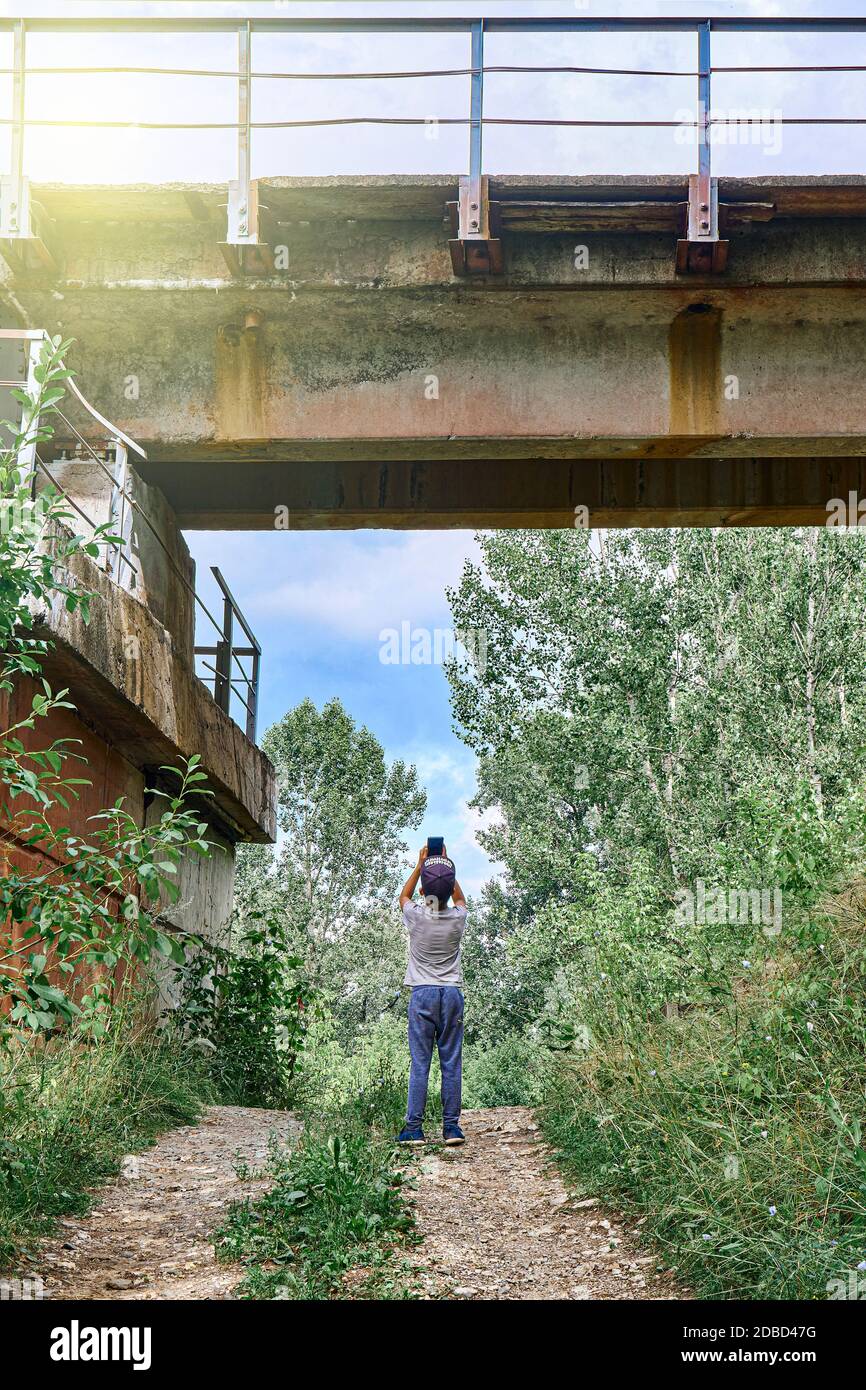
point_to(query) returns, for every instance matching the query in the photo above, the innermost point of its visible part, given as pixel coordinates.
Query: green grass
(504, 1073)
(333, 1222)
(70, 1111)
(737, 1129)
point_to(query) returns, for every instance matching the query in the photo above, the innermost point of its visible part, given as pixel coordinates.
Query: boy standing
(435, 979)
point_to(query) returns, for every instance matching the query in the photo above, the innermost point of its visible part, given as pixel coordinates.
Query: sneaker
(410, 1136)
(453, 1134)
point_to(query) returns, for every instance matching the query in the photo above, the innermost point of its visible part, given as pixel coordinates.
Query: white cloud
(358, 589)
(450, 783)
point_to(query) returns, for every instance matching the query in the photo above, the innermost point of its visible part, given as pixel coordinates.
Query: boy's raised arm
(408, 890)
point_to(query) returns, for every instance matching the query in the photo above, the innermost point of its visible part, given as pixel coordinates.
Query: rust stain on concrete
(239, 381)
(695, 358)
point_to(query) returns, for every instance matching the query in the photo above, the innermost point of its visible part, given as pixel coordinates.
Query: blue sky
(139, 155)
(318, 602)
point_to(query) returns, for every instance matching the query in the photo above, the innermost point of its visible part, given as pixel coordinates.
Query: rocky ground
(496, 1220)
(498, 1223)
(148, 1237)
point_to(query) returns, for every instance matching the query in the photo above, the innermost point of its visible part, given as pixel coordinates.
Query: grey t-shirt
(434, 944)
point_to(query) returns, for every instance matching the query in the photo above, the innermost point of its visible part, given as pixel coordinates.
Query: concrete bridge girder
(362, 384)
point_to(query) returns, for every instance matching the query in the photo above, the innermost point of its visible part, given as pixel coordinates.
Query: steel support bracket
(248, 248)
(476, 243)
(24, 239)
(702, 251)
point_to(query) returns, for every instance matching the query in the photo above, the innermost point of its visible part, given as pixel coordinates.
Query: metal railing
(111, 455)
(122, 561)
(222, 680)
(242, 203)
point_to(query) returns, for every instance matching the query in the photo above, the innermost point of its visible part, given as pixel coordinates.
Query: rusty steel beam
(515, 493)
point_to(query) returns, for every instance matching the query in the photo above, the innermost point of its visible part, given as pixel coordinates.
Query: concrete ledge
(364, 349)
(128, 682)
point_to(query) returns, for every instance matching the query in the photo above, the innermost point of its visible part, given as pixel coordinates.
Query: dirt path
(496, 1219)
(498, 1223)
(148, 1236)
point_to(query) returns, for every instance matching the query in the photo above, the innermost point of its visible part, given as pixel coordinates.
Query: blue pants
(435, 1015)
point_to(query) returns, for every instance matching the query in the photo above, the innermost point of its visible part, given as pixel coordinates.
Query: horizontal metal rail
(438, 24)
(770, 119)
(433, 72)
(478, 28)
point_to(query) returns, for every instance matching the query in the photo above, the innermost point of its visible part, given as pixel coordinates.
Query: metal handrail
(233, 654)
(226, 651)
(117, 553)
(242, 227)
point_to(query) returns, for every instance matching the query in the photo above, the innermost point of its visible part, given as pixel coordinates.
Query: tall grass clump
(70, 1109)
(335, 1215)
(732, 1122)
(331, 1222)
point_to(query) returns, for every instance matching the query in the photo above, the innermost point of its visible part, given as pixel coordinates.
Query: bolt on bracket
(702, 251)
(247, 248)
(475, 244)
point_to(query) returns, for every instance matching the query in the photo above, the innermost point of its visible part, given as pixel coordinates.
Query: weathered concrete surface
(204, 906)
(365, 350)
(130, 683)
(163, 579)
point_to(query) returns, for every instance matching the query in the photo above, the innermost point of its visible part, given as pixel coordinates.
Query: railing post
(253, 703)
(701, 251)
(15, 217)
(476, 248)
(244, 132)
(243, 250)
(476, 129)
(26, 459)
(705, 149)
(22, 236)
(120, 515)
(223, 660)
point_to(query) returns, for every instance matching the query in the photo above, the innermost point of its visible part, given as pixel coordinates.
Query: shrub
(504, 1074)
(246, 1008)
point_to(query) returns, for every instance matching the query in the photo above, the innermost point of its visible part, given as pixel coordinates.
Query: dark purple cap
(437, 878)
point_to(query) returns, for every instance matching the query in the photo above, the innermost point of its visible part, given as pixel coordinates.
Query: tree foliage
(333, 878)
(660, 708)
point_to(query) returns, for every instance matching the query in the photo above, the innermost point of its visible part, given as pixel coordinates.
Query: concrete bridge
(362, 366)
(466, 351)
(350, 378)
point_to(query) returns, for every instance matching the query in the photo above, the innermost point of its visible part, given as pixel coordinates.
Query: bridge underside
(509, 492)
(354, 380)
